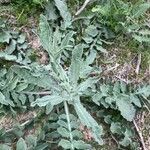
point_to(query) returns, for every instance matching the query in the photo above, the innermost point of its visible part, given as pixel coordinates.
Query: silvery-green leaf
(15, 98)
(65, 144)
(22, 46)
(45, 100)
(42, 146)
(63, 132)
(22, 98)
(8, 57)
(141, 38)
(12, 46)
(4, 147)
(123, 87)
(81, 145)
(4, 37)
(5, 99)
(91, 30)
(87, 119)
(31, 141)
(97, 97)
(145, 90)
(140, 9)
(50, 11)
(21, 87)
(62, 123)
(12, 85)
(3, 71)
(75, 67)
(45, 34)
(101, 49)
(135, 100)
(126, 107)
(86, 84)
(56, 50)
(21, 39)
(116, 128)
(127, 139)
(49, 108)
(77, 133)
(2, 99)
(21, 144)
(46, 81)
(88, 40)
(91, 57)
(67, 39)
(64, 12)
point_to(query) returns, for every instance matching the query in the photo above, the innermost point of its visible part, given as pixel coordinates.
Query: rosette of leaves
(66, 85)
(16, 47)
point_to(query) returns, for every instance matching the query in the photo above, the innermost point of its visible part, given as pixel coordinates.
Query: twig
(115, 139)
(82, 7)
(138, 64)
(140, 135)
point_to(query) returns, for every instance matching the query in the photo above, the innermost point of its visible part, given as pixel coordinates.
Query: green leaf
(4, 147)
(31, 141)
(91, 57)
(88, 40)
(63, 132)
(81, 145)
(140, 10)
(50, 11)
(91, 30)
(2, 99)
(116, 128)
(141, 38)
(65, 144)
(64, 12)
(62, 123)
(21, 87)
(77, 133)
(12, 85)
(21, 144)
(45, 81)
(145, 91)
(11, 48)
(135, 100)
(45, 100)
(86, 84)
(5, 101)
(87, 119)
(21, 39)
(75, 67)
(8, 57)
(4, 37)
(126, 108)
(67, 39)
(42, 146)
(127, 139)
(45, 34)
(22, 98)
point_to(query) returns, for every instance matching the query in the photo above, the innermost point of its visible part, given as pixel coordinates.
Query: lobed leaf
(88, 120)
